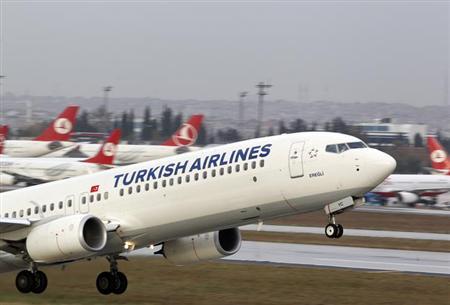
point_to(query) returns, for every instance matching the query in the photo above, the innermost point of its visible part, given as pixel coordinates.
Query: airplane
(411, 189)
(190, 204)
(440, 162)
(179, 142)
(33, 171)
(55, 137)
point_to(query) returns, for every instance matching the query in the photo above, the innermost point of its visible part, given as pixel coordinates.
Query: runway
(394, 210)
(437, 263)
(350, 232)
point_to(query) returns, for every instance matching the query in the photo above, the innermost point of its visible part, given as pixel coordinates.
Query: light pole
(106, 91)
(242, 96)
(261, 93)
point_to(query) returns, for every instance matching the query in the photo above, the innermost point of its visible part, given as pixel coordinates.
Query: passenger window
(213, 173)
(205, 174)
(196, 176)
(121, 192)
(245, 166)
(6, 215)
(91, 198)
(14, 214)
(238, 168)
(36, 210)
(188, 178)
(253, 164)
(221, 171)
(60, 204)
(138, 189)
(342, 147)
(130, 190)
(21, 213)
(44, 208)
(29, 211)
(155, 185)
(147, 186)
(171, 181)
(52, 207)
(106, 195)
(83, 200)
(99, 197)
(261, 163)
(331, 148)
(69, 203)
(164, 183)
(229, 169)
(180, 179)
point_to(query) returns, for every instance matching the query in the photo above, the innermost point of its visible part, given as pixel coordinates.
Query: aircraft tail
(438, 156)
(187, 134)
(61, 128)
(107, 152)
(4, 129)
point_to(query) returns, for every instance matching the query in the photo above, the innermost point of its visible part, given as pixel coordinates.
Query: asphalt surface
(437, 263)
(350, 232)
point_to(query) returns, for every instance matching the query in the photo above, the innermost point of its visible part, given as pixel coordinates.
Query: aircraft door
(296, 159)
(83, 203)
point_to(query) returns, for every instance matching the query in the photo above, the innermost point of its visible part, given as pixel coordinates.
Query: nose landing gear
(112, 282)
(333, 230)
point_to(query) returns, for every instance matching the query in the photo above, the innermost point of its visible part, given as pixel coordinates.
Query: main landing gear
(31, 281)
(112, 282)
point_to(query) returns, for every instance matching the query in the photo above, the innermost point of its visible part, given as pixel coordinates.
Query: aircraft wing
(11, 224)
(26, 179)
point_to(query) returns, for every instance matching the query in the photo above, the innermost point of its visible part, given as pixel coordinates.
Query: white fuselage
(414, 183)
(127, 154)
(278, 176)
(46, 169)
(30, 148)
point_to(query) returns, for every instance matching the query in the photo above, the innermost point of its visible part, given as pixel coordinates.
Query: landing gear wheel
(25, 281)
(105, 283)
(331, 230)
(40, 282)
(121, 283)
(340, 231)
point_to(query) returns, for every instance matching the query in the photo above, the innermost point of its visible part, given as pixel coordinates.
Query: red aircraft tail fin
(3, 135)
(187, 134)
(108, 150)
(438, 156)
(61, 128)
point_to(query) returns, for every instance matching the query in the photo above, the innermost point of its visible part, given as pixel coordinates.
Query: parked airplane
(191, 204)
(410, 189)
(40, 170)
(180, 142)
(440, 162)
(55, 137)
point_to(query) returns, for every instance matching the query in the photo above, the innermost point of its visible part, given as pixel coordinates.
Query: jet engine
(6, 179)
(207, 246)
(407, 197)
(66, 238)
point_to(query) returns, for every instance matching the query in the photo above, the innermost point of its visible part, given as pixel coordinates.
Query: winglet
(108, 150)
(4, 129)
(187, 134)
(61, 128)
(438, 155)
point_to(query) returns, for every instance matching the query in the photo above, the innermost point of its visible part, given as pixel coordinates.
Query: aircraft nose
(383, 165)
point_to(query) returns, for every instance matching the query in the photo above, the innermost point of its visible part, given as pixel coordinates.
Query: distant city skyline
(343, 51)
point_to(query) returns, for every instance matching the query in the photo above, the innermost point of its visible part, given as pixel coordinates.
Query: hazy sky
(388, 51)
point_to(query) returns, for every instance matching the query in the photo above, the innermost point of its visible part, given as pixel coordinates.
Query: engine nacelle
(207, 246)
(67, 238)
(407, 197)
(6, 179)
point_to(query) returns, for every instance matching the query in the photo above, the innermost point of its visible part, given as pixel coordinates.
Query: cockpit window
(342, 147)
(331, 148)
(353, 145)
